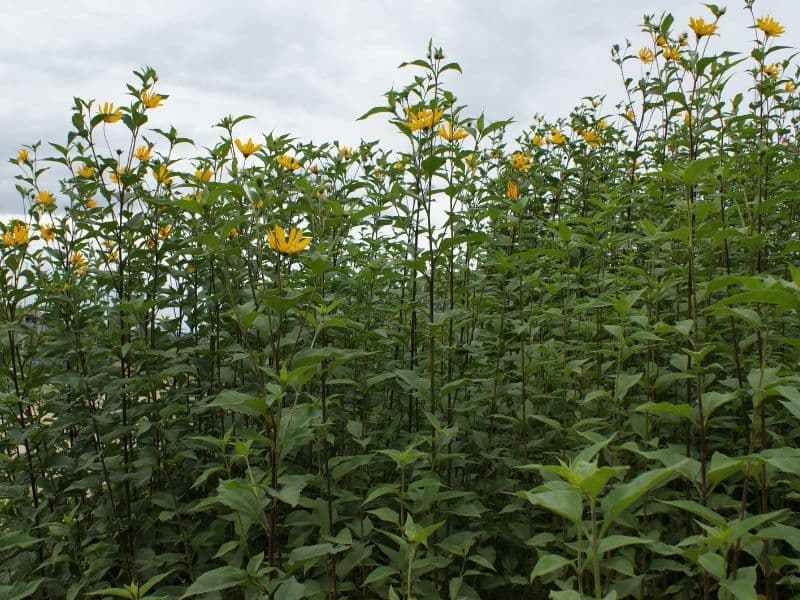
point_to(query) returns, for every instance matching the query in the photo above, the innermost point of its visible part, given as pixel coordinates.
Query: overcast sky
(311, 68)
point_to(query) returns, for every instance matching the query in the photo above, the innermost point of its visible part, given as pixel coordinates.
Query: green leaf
(379, 575)
(217, 579)
(566, 503)
(548, 563)
(624, 496)
(744, 586)
(290, 589)
(20, 589)
(714, 564)
(17, 539)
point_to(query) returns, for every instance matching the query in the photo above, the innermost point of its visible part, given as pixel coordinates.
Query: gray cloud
(310, 69)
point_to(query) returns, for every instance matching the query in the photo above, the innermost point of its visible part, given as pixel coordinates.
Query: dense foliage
(564, 366)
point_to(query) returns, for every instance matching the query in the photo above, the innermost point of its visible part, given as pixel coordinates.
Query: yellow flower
(191, 269)
(701, 28)
(591, 138)
(423, 119)
(143, 153)
(294, 244)
(161, 175)
(287, 162)
(48, 233)
(512, 191)
(770, 26)
(601, 124)
(151, 243)
(683, 40)
(151, 99)
(233, 233)
(646, 56)
(521, 162)
(91, 204)
(22, 156)
(790, 87)
(116, 176)
(163, 232)
(109, 113)
(76, 258)
(556, 137)
(204, 175)
(44, 200)
(399, 165)
(772, 71)
(687, 117)
(671, 53)
(345, 151)
(247, 148)
(86, 171)
(112, 257)
(17, 236)
(446, 132)
(661, 42)
(630, 114)
(537, 140)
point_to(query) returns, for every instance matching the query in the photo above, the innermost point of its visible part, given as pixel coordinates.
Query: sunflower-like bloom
(247, 148)
(602, 124)
(91, 203)
(556, 137)
(18, 235)
(591, 138)
(701, 28)
(770, 26)
(287, 162)
(446, 132)
(512, 191)
(22, 156)
(151, 99)
(112, 257)
(630, 114)
(143, 153)
(646, 56)
(109, 113)
(163, 232)
(521, 161)
(661, 42)
(683, 40)
(537, 140)
(233, 233)
(292, 245)
(44, 200)
(423, 119)
(772, 71)
(670, 53)
(204, 175)
(161, 175)
(116, 176)
(48, 233)
(85, 171)
(790, 87)
(77, 259)
(345, 152)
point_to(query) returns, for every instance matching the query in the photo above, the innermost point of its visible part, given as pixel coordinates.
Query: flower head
(701, 28)
(646, 56)
(233, 233)
(630, 114)
(151, 99)
(556, 137)
(44, 200)
(292, 245)
(287, 162)
(143, 153)
(423, 119)
(247, 148)
(109, 113)
(521, 161)
(85, 171)
(48, 233)
(591, 138)
(770, 26)
(345, 152)
(116, 176)
(161, 175)
(537, 140)
(446, 132)
(661, 42)
(22, 156)
(203, 175)
(790, 87)
(163, 232)
(772, 71)
(91, 203)
(512, 191)
(18, 235)
(670, 53)
(112, 257)
(76, 259)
